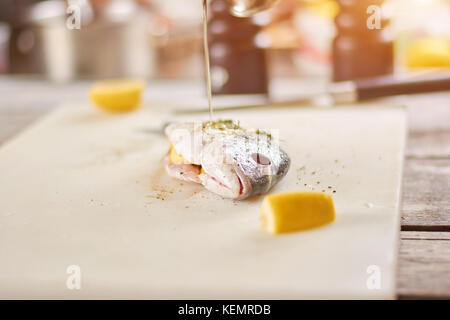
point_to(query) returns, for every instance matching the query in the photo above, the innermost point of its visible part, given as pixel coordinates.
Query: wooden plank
(419, 235)
(428, 145)
(426, 189)
(424, 265)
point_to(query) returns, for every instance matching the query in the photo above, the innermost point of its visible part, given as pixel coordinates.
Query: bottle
(238, 66)
(360, 48)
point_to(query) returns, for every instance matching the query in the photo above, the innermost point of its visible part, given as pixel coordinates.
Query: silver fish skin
(237, 163)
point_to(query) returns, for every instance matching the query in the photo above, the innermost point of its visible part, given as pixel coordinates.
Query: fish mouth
(241, 185)
(236, 188)
(194, 173)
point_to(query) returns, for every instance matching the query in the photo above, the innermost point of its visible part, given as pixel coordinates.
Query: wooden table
(424, 266)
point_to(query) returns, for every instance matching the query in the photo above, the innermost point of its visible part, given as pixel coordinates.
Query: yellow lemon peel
(117, 95)
(296, 211)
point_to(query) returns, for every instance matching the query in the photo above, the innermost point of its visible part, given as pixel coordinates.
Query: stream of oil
(207, 63)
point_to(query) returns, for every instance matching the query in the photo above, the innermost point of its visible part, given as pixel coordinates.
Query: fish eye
(260, 159)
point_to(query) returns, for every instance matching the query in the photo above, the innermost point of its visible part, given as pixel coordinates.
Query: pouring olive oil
(207, 63)
(238, 8)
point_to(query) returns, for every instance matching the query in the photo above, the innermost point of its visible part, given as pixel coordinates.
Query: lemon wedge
(429, 52)
(296, 211)
(117, 95)
(175, 157)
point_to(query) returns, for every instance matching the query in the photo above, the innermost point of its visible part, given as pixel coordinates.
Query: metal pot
(114, 44)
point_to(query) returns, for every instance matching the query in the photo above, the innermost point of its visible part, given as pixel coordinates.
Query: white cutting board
(88, 189)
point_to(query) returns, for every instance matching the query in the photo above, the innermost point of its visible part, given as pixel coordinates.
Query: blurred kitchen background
(162, 39)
